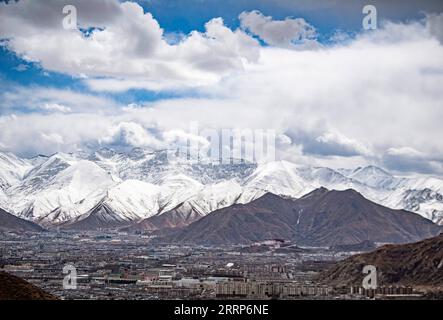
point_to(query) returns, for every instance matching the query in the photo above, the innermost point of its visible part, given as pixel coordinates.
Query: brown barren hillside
(418, 264)
(15, 288)
(9, 222)
(320, 218)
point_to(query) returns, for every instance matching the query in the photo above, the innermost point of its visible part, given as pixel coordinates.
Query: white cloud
(35, 99)
(411, 160)
(283, 140)
(182, 138)
(31, 134)
(56, 107)
(336, 143)
(128, 49)
(341, 105)
(21, 67)
(53, 138)
(131, 107)
(130, 134)
(287, 33)
(434, 24)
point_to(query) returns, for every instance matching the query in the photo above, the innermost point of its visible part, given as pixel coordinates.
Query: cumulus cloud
(320, 141)
(283, 140)
(34, 99)
(130, 134)
(52, 138)
(30, 134)
(124, 46)
(334, 143)
(411, 160)
(183, 138)
(373, 98)
(287, 33)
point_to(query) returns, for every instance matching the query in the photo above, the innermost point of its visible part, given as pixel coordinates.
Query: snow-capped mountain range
(133, 186)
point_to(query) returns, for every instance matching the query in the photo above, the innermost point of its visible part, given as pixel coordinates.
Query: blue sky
(302, 68)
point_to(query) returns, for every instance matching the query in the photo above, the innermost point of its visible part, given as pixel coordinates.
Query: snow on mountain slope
(137, 165)
(44, 194)
(134, 199)
(333, 180)
(426, 202)
(320, 177)
(176, 189)
(56, 207)
(143, 183)
(75, 188)
(375, 177)
(433, 210)
(151, 166)
(3, 199)
(278, 177)
(421, 183)
(287, 179)
(211, 173)
(206, 200)
(216, 196)
(40, 177)
(12, 169)
(422, 195)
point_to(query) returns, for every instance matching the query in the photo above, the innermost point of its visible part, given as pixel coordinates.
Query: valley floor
(121, 266)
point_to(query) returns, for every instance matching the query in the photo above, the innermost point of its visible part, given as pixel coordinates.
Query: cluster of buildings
(383, 291)
(268, 289)
(121, 266)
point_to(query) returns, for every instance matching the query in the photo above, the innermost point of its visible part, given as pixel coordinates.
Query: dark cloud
(327, 143)
(434, 23)
(410, 160)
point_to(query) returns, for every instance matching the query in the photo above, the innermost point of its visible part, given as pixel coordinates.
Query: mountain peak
(73, 183)
(316, 193)
(269, 196)
(371, 169)
(333, 218)
(347, 192)
(333, 194)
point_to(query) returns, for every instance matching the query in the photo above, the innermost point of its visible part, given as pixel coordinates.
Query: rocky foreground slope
(416, 264)
(15, 288)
